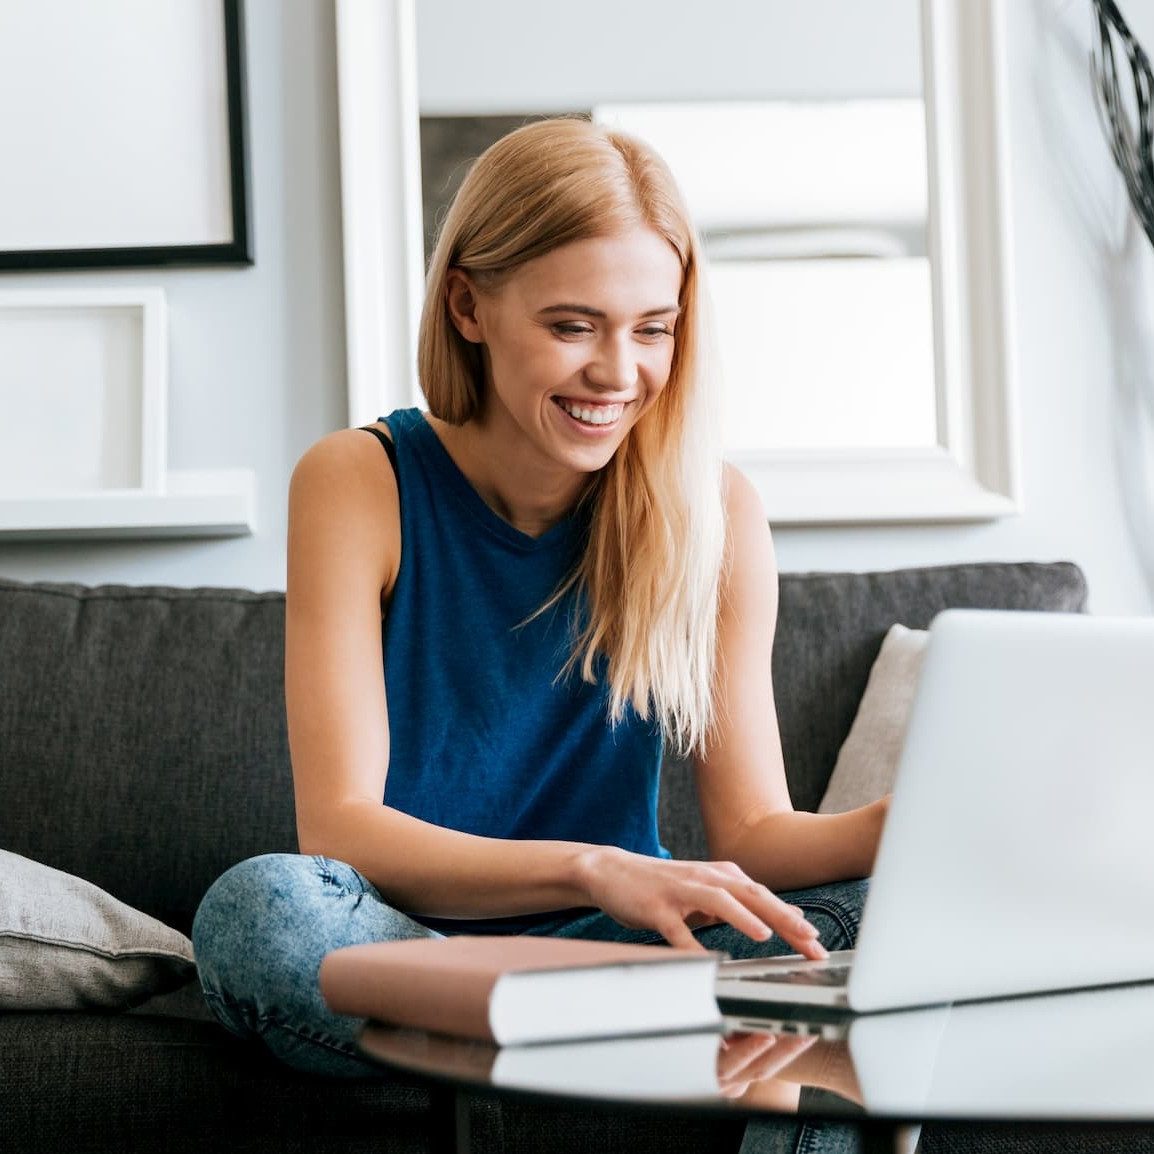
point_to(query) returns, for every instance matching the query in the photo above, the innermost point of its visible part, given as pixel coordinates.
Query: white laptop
(1085, 1054)
(1018, 855)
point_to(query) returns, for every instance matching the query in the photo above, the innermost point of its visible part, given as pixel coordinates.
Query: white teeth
(602, 415)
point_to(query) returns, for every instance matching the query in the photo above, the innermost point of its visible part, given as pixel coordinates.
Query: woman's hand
(769, 1070)
(672, 896)
(826, 1065)
(746, 1059)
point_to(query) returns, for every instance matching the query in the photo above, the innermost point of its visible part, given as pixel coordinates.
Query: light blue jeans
(264, 926)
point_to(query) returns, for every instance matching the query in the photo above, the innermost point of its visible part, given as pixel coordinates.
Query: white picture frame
(971, 474)
(83, 389)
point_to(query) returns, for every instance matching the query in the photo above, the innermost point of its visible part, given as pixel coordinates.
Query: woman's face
(578, 344)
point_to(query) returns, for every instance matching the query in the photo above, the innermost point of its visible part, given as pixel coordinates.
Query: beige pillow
(868, 758)
(65, 944)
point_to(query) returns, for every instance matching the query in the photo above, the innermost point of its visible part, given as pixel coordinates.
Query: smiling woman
(496, 627)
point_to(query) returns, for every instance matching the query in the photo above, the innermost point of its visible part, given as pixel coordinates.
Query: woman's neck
(530, 498)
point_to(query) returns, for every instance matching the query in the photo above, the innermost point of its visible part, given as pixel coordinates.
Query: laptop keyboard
(835, 975)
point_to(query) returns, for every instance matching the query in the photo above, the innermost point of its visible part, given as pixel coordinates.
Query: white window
(813, 216)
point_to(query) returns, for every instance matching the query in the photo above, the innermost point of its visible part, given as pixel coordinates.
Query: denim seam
(808, 1142)
(223, 1008)
(230, 1003)
(258, 1024)
(272, 1019)
(847, 925)
(330, 879)
(322, 864)
(223, 1000)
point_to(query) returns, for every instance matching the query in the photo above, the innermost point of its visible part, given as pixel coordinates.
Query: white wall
(257, 354)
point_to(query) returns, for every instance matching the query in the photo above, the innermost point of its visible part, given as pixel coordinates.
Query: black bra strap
(390, 448)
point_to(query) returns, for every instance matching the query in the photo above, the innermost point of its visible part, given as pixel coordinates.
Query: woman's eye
(656, 331)
(571, 329)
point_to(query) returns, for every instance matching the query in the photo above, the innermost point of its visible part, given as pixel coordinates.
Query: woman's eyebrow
(589, 311)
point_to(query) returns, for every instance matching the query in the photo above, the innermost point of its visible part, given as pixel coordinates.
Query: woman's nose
(613, 366)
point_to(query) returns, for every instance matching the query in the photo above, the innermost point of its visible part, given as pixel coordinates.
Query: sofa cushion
(868, 759)
(67, 945)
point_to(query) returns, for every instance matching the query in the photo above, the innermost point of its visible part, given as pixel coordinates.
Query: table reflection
(1084, 1055)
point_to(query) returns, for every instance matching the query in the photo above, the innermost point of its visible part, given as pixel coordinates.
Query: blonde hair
(650, 575)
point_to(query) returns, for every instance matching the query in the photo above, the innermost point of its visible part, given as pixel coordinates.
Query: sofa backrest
(142, 736)
(142, 729)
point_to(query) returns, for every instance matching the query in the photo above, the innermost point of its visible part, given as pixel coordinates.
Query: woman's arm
(746, 808)
(344, 549)
(343, 555)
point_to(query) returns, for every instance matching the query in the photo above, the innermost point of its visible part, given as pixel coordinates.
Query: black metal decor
(237, 250)
(1130, 142)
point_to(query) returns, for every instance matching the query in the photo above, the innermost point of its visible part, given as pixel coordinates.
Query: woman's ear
(461, 299)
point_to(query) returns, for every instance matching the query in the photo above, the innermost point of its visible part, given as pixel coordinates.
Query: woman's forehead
(636, 271)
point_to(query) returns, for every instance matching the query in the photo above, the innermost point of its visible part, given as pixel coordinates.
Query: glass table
(1077, 1057)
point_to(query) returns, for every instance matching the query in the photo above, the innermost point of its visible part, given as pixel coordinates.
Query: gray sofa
(143, 748)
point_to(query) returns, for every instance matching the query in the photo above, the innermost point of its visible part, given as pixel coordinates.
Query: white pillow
(65, 944)
(868, 758)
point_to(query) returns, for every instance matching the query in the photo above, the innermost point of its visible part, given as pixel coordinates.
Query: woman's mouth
(591, 416)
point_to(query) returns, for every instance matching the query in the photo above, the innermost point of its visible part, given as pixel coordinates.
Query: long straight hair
(650, 576)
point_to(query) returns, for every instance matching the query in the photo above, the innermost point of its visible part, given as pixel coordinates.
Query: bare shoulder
(742, 499)
(345, 455)
(346, 467)
(751, 554)
(343, 497)
(744, 510)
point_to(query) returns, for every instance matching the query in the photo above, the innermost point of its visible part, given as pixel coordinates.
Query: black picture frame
(238, 249)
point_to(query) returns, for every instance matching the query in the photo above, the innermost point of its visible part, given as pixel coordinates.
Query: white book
(524, 989)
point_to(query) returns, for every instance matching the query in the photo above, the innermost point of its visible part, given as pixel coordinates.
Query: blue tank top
(483, 738)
